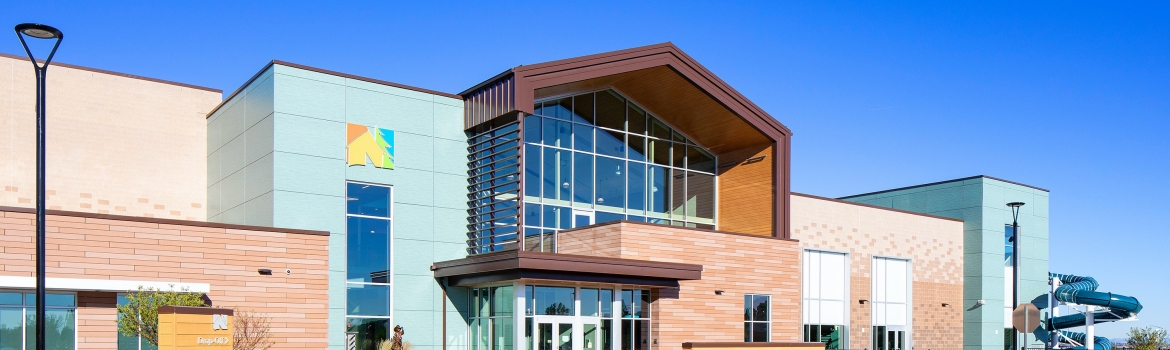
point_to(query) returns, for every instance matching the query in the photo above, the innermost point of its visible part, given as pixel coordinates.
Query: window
(601, 152)
(491, 318)
(757, 318)
(1008, 281)
(825, 290)
(18, 321)
(635, 319)
(126, 342)
(891, 303)
(368, 254)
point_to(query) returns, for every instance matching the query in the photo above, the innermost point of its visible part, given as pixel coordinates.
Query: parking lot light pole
(40, 31)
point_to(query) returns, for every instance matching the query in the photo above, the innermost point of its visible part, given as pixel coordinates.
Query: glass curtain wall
(599, 152)
(891, 304)
(18, 313)
(825, 290)
(491, 318)
(493, 189)
(592, 310)
(368, 270)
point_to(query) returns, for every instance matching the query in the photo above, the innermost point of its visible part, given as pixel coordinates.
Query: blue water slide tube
(1083, 290)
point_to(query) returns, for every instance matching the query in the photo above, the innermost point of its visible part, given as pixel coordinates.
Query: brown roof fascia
(164, 221)
(241, 88)
(875, 206)
(329, 72)
(124, 75)
(690, 345)
(366, 79)
(625, 60)
(524, 260)
(943, 182)
(493, 79)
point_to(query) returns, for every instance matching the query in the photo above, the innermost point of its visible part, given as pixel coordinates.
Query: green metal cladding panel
(239, 163)
(310, 113)
(981, 203)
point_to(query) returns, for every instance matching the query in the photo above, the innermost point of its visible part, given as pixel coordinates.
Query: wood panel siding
(667, 95)
(226, 258)
(732, 264)
(745, 192)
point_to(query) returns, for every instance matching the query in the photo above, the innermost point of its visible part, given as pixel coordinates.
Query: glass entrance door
(889, 338)
(555, 333)
(567, 333)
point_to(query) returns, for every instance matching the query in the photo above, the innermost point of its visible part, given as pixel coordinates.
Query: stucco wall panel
(144, 139)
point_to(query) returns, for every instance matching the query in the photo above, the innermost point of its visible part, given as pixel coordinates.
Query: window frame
(846, 324)
(746, 323)
(25, 312)
(390, 255)
(534, 193)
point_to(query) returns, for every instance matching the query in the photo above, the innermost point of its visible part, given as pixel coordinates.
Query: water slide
(1083, 290)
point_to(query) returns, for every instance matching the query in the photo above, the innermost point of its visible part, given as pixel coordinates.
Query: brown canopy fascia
(516, 265)
(516, 89)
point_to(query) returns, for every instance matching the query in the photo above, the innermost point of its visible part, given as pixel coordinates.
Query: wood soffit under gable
(669, 96)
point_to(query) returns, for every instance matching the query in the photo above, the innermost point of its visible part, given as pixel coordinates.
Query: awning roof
(515, 265)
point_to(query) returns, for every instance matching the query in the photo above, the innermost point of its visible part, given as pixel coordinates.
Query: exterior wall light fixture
(863, 301)
(265, 272)
(718, 292)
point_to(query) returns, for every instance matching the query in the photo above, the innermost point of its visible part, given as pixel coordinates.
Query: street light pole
(40, 31)
(1016, 265)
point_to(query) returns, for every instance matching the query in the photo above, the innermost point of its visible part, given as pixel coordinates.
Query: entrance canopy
(516, 265)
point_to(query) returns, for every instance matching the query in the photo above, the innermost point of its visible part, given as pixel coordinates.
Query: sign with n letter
(189, 328)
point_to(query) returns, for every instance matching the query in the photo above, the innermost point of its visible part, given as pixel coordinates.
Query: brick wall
(226, 257)
(933, 244)
(145, 139)
(736, 264)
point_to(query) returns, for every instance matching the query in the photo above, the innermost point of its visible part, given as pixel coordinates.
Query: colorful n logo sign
(363, 142)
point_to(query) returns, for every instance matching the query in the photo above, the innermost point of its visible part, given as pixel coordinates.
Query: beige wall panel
(933, 244)
(116, 144)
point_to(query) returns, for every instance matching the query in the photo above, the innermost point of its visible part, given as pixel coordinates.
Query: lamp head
(1015, 204)
(39, 31)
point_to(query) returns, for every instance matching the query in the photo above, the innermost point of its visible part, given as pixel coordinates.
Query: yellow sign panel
(188, 328)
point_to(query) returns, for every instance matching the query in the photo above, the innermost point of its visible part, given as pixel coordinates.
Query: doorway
(889, 337)
(567, 333)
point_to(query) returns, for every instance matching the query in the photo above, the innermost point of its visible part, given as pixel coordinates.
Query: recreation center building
(616, 201)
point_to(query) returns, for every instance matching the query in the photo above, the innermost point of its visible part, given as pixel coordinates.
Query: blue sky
(1072, 97)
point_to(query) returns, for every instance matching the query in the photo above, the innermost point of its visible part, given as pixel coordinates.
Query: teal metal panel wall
(240, 156)
(312, 109)
(300, 177)
(981, 203)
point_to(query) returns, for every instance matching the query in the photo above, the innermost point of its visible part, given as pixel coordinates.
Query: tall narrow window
(369, 271)
(891, 304)
(757, 318)
(825, 308)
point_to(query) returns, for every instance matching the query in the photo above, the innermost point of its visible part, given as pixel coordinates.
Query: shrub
(138, 317)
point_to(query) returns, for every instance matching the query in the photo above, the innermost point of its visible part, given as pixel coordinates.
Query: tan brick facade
(934, 245)
(96, 247)
(733, 263)
(117, 144)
